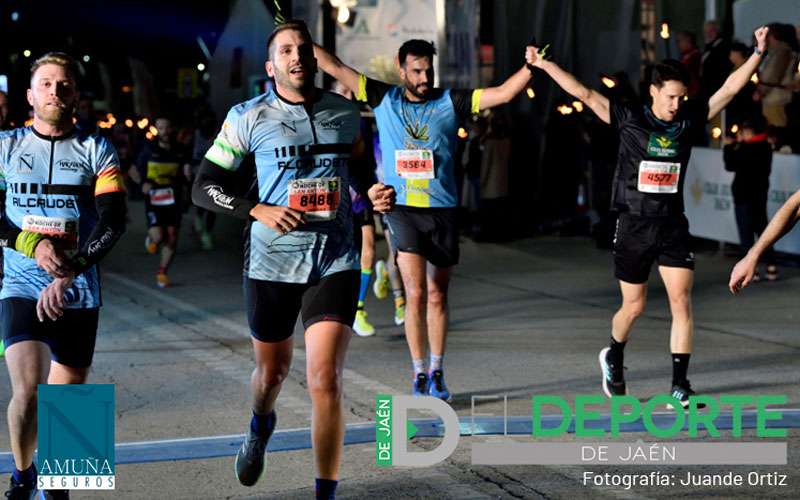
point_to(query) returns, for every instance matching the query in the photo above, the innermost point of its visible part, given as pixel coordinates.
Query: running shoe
(381, 287)
(251, 457)
(20, 491)
(400, 315)
(149, 246)
(437, 387)
(55, 495)
(613, 376)
(361, 326)
(206, 241)
(682, 392)
(420, 385)
(162, 281)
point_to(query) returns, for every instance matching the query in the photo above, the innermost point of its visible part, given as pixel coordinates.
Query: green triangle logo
(411, 429)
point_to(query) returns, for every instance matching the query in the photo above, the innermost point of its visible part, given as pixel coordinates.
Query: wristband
(757, 51)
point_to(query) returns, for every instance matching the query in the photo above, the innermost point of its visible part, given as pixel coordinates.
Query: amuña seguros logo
(76, 437)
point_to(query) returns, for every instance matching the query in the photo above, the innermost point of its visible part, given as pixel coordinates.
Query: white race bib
(63, 231)
(317, 198)
(162, 197)
(659, 177)
(414, 163)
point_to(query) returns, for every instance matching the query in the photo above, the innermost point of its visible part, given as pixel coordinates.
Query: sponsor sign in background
(379, 28)
(709, 202)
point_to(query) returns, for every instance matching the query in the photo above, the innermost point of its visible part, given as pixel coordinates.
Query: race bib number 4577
(317, 198)
(659, 177)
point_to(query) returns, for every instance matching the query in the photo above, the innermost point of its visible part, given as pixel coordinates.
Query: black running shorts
(71, 337)
(430, 232)
(640, 241)
(272, 306)
(162, 216)
(364, 218)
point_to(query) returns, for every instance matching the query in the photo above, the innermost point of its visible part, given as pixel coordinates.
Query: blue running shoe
(437, 387)
(251, 457)
(420, 385)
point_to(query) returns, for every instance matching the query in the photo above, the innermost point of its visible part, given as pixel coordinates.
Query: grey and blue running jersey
(302, 153)
(51, 184)
(419, 132)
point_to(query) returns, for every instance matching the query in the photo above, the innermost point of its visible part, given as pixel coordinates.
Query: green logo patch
(662, 146)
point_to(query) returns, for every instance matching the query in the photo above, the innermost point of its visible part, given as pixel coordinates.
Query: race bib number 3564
(317, 198)
(414, 163)
(659, 177)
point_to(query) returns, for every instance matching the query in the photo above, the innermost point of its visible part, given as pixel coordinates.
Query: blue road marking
(362, 433)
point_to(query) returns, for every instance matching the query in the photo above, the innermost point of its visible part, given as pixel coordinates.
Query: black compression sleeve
(111, 211)
(8, 231)
(212, 191)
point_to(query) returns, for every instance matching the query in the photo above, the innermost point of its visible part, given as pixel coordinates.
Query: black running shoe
(55, 494)
(419, 386)
(613, 376)
(682, 392)
(251, 457)
(20, 491)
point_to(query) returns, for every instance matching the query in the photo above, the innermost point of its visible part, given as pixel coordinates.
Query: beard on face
(421, 91)
(284, 78)
(54, 114)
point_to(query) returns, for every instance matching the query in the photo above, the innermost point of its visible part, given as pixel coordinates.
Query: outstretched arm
(334, 66)
(503, 93)
(784, 220)
(596, 101)
(739, 78)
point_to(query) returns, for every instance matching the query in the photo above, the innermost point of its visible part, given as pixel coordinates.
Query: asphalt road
(527, 318)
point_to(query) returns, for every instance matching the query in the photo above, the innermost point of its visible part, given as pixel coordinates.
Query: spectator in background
(4, 118)
(86, 116)
(690, 57)
(471, 160)
(203, 139)
(715, 64)
(776, 75)
(494, 188)
(743, 106)
(750, 158)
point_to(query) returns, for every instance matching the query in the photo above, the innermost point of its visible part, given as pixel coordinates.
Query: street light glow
(343, 15)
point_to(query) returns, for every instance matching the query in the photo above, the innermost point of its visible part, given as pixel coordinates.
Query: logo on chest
(662, 146)
(288, 129)
(70, 166)
(25, 164)
(331, 124)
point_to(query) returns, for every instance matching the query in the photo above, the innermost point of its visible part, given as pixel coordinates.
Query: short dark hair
(741, 48)
(756, 123)
(690, 36)
(291, 24)
(419, 48)
(59, 59)
(669, 70)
